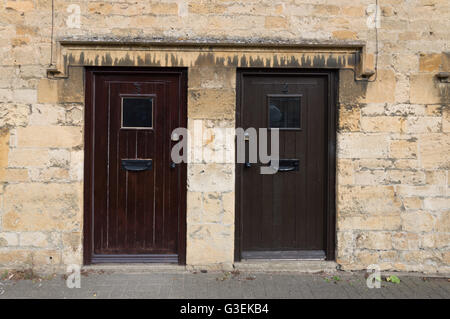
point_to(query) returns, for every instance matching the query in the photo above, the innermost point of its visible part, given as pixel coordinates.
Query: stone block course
(403, 148)
(41, 207)
(424, 89)
(211, 103)
(392, 124)
(434, 150)
(49, 136)
(361, 145)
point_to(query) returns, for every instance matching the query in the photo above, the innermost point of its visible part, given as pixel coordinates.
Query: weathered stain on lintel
(208, 42)
(180, 53)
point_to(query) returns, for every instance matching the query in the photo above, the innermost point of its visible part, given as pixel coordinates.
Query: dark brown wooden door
(284, 215)
(135, 196)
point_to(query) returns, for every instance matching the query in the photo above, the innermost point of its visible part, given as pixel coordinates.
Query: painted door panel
(136, 197)
(284, 215)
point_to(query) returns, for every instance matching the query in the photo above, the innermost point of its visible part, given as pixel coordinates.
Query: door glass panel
(137, 112)
(284, 112)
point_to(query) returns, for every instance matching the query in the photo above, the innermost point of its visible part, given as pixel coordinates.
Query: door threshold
(284, 254)
(277, 265)
(131, 258)
(136, 268)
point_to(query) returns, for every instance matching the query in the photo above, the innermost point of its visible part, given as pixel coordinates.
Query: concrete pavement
(109, 284)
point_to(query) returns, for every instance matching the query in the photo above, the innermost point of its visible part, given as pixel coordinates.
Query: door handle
(173, 165)
(247, 165)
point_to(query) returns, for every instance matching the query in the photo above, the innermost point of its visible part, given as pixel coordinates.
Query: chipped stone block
(434, 150)
(374, 240)
(14, 114)
(349, 119)
(359, 145)
(34, 239)
(211, 104)
(49, 136)
(210, 244)
(372, 124)
(426, 124)
(403, 148)
(424, 89)
(41, 207)
(383, 90)
(8, 239)
(430, 62)
(210, 177)
(367, 200)
(28, 157)
(419, 221)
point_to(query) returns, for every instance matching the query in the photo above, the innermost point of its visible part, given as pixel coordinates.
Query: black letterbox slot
(136, 165)
(288, 165)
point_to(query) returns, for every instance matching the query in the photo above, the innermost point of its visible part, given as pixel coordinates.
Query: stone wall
(393, 204)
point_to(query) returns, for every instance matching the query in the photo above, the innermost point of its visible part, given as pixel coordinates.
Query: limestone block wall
(210, 197)
(393, 204)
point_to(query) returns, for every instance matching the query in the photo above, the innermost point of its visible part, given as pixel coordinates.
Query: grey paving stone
(225, 285)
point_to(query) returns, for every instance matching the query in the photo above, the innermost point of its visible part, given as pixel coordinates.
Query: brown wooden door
(284, 215)
(134, 195)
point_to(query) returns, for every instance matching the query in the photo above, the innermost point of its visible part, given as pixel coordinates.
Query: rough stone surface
(393, 141)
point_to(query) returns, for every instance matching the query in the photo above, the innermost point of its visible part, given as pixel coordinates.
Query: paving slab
(228, 285)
